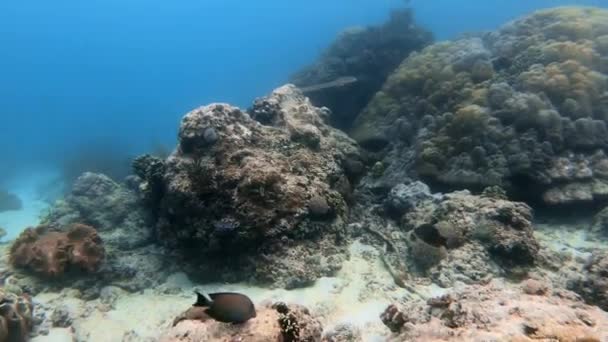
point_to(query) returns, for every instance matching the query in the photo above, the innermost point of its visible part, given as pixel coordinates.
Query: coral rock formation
(15, 317)
(279, 322)
(523, 108)
(497, 312)
(111, 208)
(269, 196)
(463, 228)
(53, 253)
(368, 54)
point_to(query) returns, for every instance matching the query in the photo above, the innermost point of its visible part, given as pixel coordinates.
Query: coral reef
(15, 317)
(53, 253)
(521, 108)
(268, 197)
(278, 322)
(369, 54)
(497, 312)
(9, 201)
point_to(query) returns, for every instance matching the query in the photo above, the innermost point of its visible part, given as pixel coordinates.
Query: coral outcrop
(369, 54)
(52, 253)
(263, 200)
(279, 322)
(502, 228)
(15, 317)
(453, 237)
(497, 312)
(114, 210)
(523, 108)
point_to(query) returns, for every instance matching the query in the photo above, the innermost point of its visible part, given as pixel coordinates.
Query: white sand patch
(356, 296)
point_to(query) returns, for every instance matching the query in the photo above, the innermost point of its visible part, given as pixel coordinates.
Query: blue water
(123, 72)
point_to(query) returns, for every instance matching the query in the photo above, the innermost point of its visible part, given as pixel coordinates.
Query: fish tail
(202, 299)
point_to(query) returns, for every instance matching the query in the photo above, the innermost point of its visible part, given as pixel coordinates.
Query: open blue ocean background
(120, 74)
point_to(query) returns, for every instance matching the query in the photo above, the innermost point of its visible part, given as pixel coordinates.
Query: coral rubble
(497, 312)
(52, 253)
(270, 197)
(522, 108)
(369, 54)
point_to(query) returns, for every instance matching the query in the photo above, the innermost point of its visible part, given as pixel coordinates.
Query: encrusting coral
(52, 253)
(523, 108)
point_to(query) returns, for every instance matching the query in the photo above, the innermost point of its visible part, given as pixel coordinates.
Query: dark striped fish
(339, 82)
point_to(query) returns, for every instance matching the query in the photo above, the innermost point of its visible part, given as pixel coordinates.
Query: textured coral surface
(497, 312)
(270, 194)
(53, 253)
(524, 107)
(15, 317)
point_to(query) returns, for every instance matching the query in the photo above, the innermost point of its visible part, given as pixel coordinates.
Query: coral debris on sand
(52, 253)
(523, 108)
(265, 201)
(498, 312)
(369, 54)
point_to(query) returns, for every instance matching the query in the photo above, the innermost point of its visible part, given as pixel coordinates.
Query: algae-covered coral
(523, 108)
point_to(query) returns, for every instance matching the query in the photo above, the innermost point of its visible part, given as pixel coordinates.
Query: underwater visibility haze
(335, 171)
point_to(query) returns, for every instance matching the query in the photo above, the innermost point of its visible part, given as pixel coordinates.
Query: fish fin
(202, 299)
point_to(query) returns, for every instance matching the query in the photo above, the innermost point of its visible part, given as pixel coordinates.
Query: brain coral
(52, 253)
(524, 108)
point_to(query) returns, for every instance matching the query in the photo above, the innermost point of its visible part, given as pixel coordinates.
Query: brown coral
(15, 317)
(52, 253)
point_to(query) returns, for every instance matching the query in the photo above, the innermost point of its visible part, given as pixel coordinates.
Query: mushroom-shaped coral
(15, 317)
(52, 253)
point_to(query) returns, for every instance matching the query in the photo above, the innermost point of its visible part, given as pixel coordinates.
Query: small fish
(227, 307)
(339, 82)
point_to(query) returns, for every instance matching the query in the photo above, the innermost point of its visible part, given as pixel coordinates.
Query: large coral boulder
(525, 108)
(270, 196)
(279, 322)
(15, 317)
(52, 253)
(498, 312)
(369, 54)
